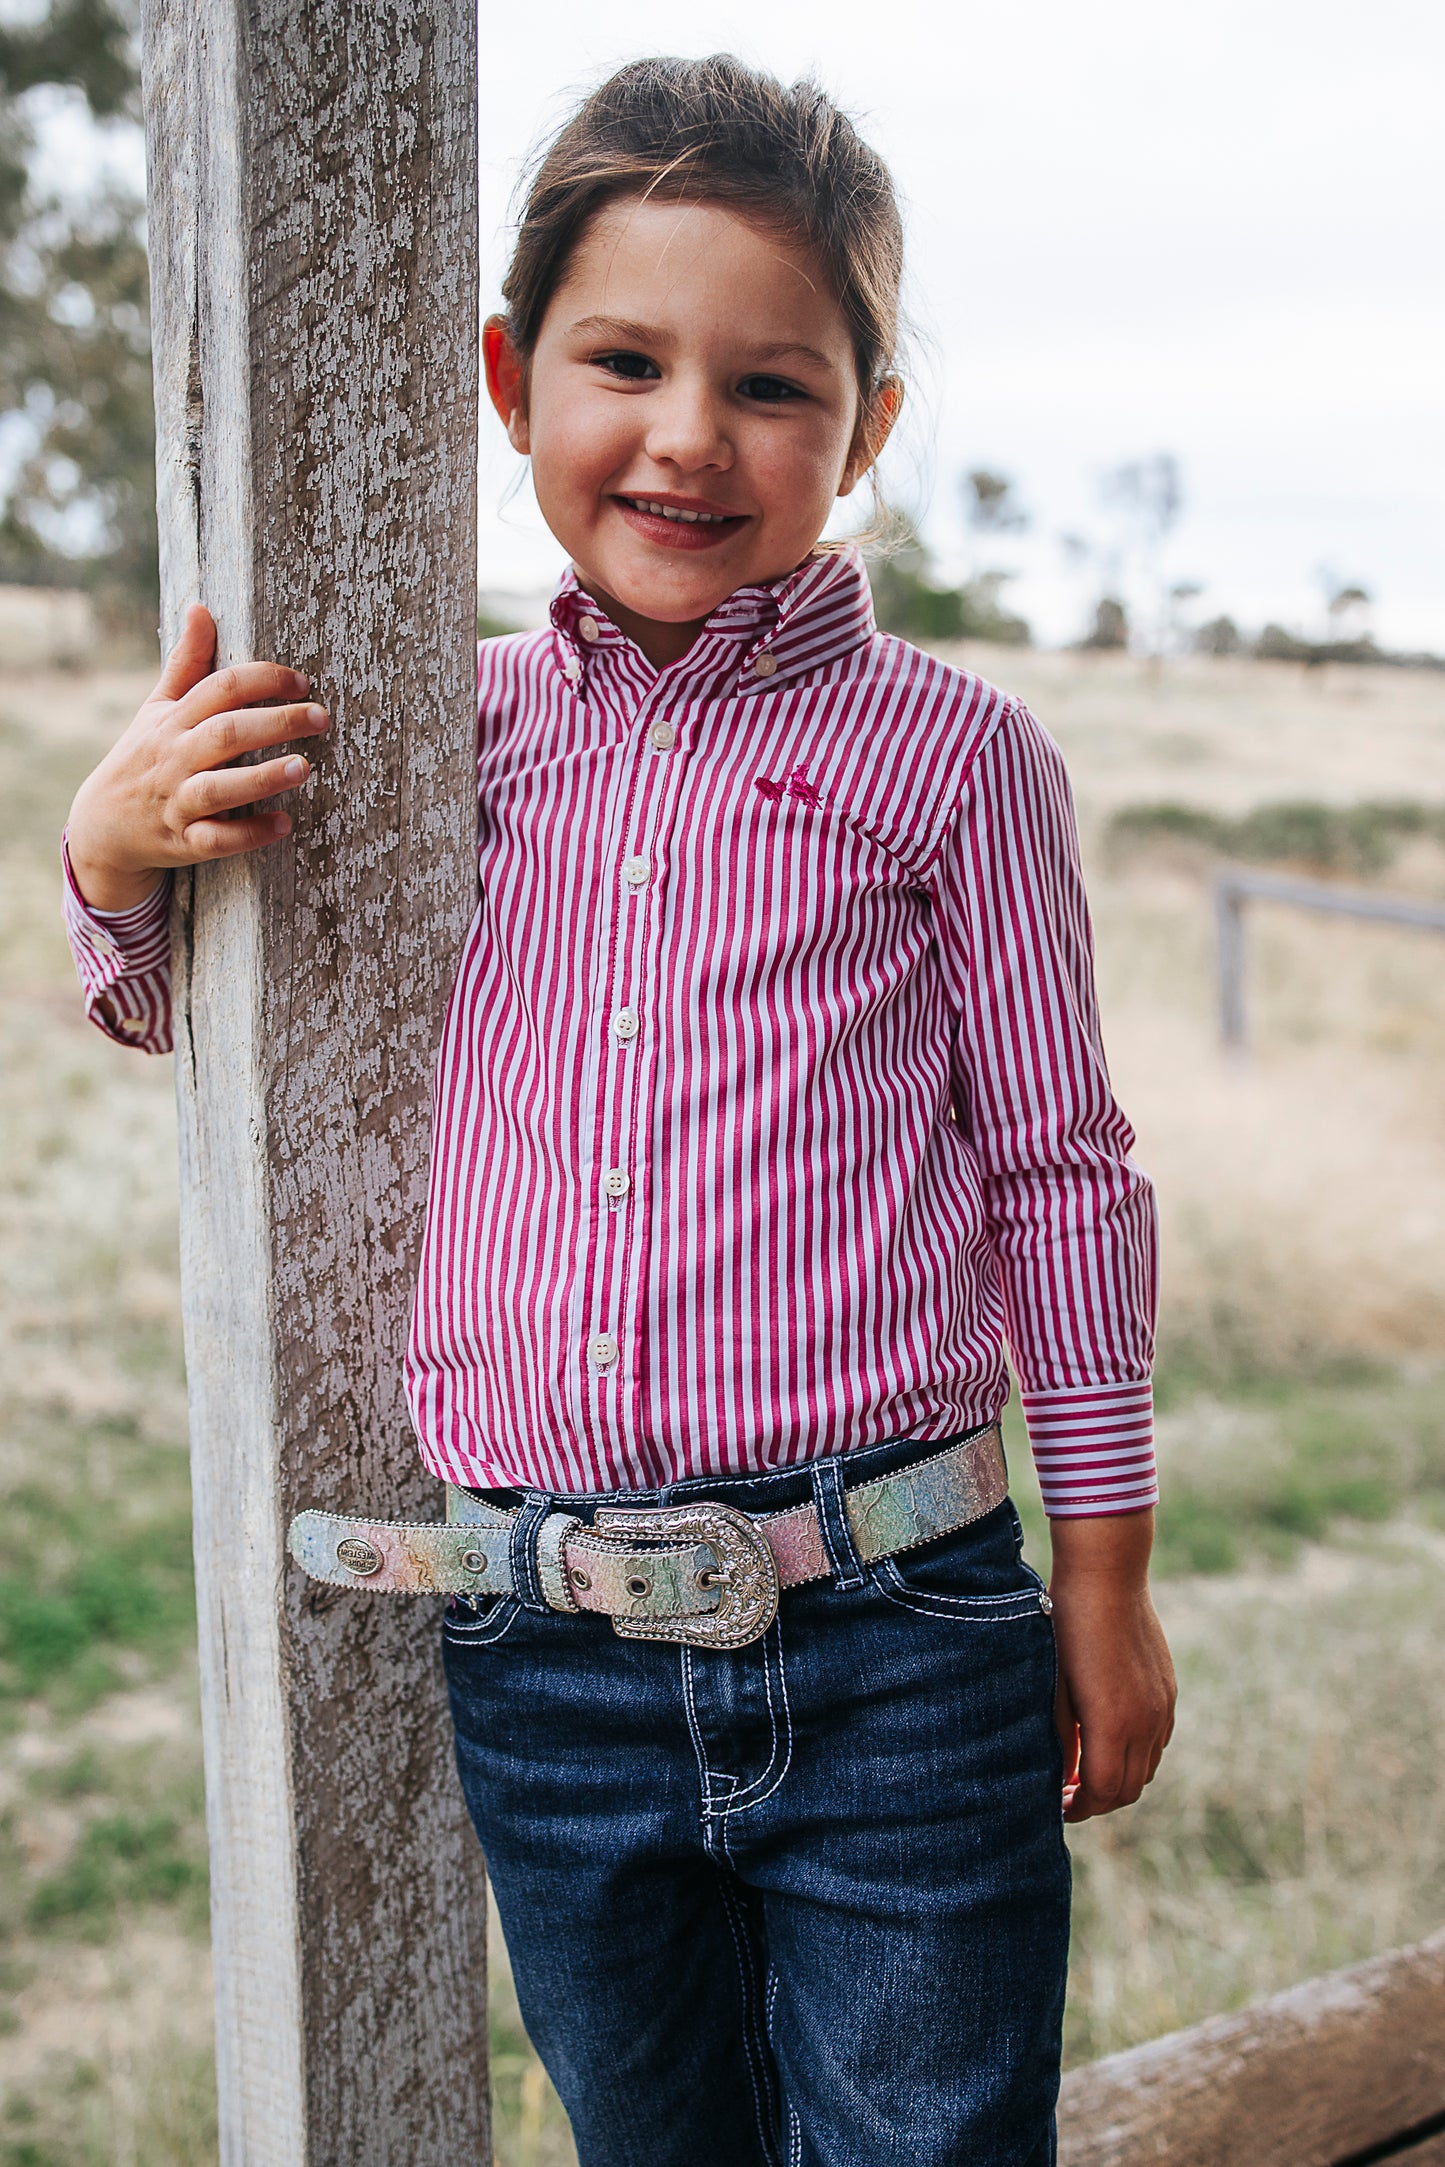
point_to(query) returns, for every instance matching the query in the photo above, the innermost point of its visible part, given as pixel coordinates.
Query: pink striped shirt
(771, 1103)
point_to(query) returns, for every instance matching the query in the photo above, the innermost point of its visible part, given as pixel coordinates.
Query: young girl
(770, 1105)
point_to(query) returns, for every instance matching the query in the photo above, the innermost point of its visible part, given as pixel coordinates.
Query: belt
(704, 1574)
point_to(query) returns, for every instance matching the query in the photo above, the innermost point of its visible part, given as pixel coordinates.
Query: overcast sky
(1132, 227)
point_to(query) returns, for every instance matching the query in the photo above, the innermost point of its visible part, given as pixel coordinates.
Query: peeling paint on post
(314, 268)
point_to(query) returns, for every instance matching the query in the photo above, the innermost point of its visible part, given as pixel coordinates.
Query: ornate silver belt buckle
(744, 1571)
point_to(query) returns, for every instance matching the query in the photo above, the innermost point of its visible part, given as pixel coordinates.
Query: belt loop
(827, 1478)
(526, 1579)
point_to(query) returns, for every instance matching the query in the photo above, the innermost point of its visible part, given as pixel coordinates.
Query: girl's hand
(1116, 1695)
(162, 796)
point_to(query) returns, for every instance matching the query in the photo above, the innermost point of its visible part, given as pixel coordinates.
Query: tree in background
(1109, 632)
(907, 601)
(1346, 607)
(991, 505)
(1181, 632)
(78, 506)
(1147, 497)
(1221, 636)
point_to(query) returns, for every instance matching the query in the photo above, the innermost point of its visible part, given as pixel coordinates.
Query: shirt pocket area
(976, 1574)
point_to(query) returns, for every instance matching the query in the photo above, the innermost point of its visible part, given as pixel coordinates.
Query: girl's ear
(506, 381)
(875, 426)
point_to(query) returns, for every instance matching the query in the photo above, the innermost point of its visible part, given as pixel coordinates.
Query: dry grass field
(1297, 1822)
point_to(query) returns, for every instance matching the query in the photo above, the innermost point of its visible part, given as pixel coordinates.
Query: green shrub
(118, 1860)
(1351, 840)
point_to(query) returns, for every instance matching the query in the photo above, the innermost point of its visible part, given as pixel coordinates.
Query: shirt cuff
(125, 949)
(1093, 1447)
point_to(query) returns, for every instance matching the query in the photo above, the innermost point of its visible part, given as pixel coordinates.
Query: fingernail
(296, 771)
(317, 717)
(302, 680)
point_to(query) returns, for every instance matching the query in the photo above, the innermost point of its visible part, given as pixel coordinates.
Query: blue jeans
(802, 1902)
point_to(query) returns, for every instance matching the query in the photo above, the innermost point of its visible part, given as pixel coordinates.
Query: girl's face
(691, 415)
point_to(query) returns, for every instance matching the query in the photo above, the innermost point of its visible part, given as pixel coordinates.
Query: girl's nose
(687, 428)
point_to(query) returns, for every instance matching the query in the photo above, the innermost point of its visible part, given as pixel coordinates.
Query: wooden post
(1229, 925)
(313, 216)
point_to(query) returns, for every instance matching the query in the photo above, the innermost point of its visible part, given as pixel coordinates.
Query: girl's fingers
(224, 737)
(207, 839)
(239, 685)
(190, 658)
(200, 797)
(1120, 1784)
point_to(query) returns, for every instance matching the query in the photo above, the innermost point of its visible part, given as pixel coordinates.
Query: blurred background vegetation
(77, 430)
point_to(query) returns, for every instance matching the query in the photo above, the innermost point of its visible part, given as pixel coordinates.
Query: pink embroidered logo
(796, 786)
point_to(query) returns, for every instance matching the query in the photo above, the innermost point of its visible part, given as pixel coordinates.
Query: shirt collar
(809, 617)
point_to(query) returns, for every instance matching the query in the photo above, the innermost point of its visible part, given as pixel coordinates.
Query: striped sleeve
(123, 958)
(1071, 1218)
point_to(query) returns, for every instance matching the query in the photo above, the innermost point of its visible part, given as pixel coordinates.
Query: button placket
(627, 1071)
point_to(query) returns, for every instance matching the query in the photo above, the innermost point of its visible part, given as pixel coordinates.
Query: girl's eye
(633, 368)
(769, 388)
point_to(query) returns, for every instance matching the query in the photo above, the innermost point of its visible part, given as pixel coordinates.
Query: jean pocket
(468, 1624)
(975, 1573)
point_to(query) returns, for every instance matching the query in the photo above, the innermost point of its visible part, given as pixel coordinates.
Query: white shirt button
(765, 665)
(616, 1182)
(626, 1023)
(635, 872)
(663, 736)
(603, 1349)
(572, 670)
(587, 628)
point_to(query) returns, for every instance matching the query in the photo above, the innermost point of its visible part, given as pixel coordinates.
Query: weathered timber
(1332, 2068)
(313, 246)
(1429, 2154)
(1411, 2150)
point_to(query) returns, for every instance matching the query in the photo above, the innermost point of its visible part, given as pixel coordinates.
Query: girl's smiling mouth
(679, 522)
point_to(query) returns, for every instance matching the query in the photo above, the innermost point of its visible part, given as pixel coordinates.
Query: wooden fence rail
(1343, 2071)
(1234, 887)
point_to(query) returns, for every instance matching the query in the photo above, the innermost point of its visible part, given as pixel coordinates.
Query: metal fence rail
(1234, 887)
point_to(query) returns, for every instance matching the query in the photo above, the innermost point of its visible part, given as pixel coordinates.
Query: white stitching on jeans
(709, 1813)
(747, 1791)
(703, 1771)
(747, 1977)
(933, 1603)
(486, 1630)
(732, 1805)
(796, 2129)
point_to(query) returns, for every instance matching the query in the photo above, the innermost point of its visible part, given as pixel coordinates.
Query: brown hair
(716, 131)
